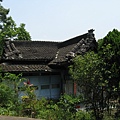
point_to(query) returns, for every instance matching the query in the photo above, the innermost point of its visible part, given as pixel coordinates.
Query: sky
(59, 20)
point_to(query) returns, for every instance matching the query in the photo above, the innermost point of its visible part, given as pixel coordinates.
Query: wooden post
(75, 88)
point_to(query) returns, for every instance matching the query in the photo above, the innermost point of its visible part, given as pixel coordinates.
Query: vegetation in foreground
(29, 106)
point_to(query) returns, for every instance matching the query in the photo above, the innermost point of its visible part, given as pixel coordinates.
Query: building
(45, 64)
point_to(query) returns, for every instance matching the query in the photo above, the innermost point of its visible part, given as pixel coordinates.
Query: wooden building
(45, 64)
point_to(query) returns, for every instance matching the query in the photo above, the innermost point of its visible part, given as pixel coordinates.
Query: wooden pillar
(75, 88)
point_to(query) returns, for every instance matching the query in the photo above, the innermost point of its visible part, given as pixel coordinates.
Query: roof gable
(77, 45)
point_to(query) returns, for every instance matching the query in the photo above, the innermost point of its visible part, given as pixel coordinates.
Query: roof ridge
(34, 41)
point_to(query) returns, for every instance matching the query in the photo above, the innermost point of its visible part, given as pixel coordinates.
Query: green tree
(9, 29)
(98, 75)
(3, 19)
(87, 71)
(109, 50)
(22, 34)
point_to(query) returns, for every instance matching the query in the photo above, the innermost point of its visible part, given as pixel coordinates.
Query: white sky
(63, 19)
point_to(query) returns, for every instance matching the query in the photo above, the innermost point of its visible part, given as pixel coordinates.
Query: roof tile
(24, 68)
(52, 52)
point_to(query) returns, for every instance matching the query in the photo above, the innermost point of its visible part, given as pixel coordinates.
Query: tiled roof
(51, 53)
(75, 46)
(30, 50)
(24, 68)
(65, 48)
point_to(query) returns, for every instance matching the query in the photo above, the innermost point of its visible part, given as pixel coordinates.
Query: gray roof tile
(51, 53)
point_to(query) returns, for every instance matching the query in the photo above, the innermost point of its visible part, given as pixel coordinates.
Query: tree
(87, 72)
(98, 75)
(109, 50)
(9, 29)
(3, 16)
(22, 34)
(3, 19)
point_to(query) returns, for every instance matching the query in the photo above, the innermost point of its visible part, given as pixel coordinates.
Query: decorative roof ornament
(90, 33)
(10, 51)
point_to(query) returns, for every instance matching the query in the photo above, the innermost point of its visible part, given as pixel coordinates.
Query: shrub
(63, 109)
(4, 111)
(68, 102)
(6, 95)
(82, 115)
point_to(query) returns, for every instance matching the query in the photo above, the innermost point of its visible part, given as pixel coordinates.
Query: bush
(68, 102)
(82, 115)
(6, 95)
(4, 111)
(29, 106)
(63, 109)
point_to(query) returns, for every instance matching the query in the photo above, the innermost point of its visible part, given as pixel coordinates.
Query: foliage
(3, 17)
(22, 34)
(9, 29)
(109, 49)
(10, 93)
(29, 90)
(87, 71)
(29, 101)
(13, 81)
(66, 106)
(82, 115)
(4, 111)
(48, 109)
(6, 95)
(9, 96)
(63, 109)
(31, 107)
(98, 75)
(68, 102)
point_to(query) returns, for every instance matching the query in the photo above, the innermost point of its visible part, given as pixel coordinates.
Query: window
(55, 86)
(45, 86)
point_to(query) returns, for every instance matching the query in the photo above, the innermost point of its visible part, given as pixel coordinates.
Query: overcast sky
(58, 20)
